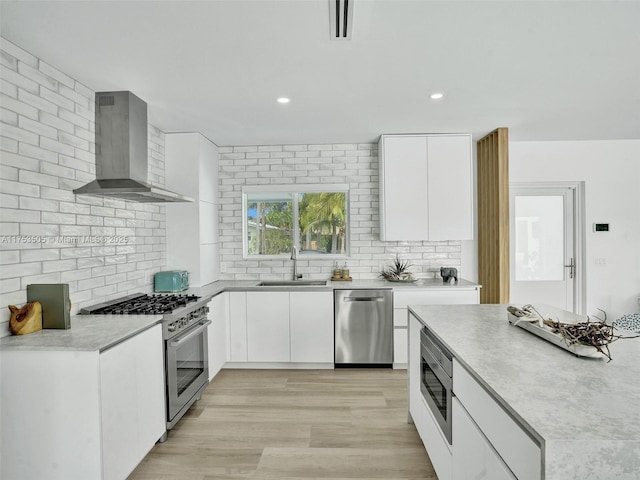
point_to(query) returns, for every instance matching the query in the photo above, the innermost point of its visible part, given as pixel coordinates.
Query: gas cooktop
(142, 304)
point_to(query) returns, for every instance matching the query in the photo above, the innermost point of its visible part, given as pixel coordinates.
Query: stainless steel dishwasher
(363, 328)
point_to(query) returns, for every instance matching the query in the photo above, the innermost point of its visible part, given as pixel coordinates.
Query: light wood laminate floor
(294, 424)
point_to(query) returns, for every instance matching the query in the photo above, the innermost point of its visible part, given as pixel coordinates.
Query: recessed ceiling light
(284, 100)
(436, 96)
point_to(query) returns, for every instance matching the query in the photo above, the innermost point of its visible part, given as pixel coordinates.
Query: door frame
(579, 223)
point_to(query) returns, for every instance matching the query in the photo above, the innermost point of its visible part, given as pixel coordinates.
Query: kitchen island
(581, 414)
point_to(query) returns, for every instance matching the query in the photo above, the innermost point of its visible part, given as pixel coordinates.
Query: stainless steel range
(184, 331)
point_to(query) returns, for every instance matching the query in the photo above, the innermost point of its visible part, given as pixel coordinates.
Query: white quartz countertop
(585, 411)
(252, 285)
(99, 332)
(87, 333)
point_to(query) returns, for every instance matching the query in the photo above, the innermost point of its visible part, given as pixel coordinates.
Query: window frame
(295, 191)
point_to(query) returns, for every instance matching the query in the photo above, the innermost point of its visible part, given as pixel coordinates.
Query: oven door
(187, 367)
(435, 386)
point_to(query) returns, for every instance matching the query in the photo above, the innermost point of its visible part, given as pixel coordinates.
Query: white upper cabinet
(426, 189)
(192, 228)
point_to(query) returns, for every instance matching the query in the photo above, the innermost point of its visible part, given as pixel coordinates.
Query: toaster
(171, 281)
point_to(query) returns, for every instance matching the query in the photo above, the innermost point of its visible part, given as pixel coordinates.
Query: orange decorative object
(26, 319)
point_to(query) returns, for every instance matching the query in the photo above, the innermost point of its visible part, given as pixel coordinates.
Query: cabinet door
(238, 326)
(450, 187)
(132, 396)
(268, 327)
(118, 387)
(217, 334)
(150, 388)
(415, 396)
(468, 446)
(403, 188)
(473, 456)
(435, 296)
(311, 326)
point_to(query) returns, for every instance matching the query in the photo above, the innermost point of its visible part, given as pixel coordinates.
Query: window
(313, 218)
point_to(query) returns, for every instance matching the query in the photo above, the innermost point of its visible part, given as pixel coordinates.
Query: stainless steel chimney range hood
(121, 152)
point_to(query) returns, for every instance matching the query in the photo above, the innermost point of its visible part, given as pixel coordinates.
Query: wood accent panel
(493, 216)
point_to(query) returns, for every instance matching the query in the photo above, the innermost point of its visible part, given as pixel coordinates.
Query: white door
(543, 246)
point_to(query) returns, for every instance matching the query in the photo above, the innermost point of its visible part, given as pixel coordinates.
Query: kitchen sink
(292, 283)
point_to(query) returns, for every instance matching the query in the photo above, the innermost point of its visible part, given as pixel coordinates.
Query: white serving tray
(528, 324)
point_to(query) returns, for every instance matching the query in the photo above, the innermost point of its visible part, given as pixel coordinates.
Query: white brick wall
(46, 150)
(355, 164)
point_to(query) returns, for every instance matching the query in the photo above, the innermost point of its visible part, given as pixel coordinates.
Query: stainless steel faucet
(294, 257)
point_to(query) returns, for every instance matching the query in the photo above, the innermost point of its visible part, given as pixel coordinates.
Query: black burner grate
(147, 305)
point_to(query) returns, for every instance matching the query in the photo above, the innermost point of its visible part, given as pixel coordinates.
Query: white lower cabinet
(132, 401)
(280, 327)
(217, 333)
(81, 414)
(311, 327)
(433, 439)
(473, 456)
(268, 327)
(238, 326)
(518, 450)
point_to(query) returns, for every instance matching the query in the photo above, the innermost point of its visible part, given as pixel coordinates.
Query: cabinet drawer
(513, 444)
(436, 296)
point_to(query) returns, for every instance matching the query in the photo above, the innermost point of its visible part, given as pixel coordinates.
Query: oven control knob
(172, 327)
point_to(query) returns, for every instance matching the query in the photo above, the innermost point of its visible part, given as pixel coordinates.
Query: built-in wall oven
(436, 379)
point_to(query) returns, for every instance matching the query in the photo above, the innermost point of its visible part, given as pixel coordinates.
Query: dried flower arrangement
(597, 334)
(398, 272)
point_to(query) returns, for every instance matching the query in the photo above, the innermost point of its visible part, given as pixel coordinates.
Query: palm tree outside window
(315, 220)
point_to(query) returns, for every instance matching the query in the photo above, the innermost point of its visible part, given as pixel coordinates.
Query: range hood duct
(121, 152)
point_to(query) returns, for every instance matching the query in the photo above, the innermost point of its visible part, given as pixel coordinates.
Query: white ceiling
(561, 70)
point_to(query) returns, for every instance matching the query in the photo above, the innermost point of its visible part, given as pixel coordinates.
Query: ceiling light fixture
(436, 96)
(284, 100)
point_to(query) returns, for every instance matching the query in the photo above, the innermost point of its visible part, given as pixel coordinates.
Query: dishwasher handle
(363, 299)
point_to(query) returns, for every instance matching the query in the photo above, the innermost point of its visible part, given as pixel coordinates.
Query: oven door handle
(189, 335)
(437, 369)
(364, 299)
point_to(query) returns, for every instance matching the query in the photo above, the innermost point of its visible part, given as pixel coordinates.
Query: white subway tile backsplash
(354, 164)
(59, 266)
(19, 134)
(47, 142)
(55, 74)
(12, 76)
(59, 218)
(73, 275)
(56, 146)
(9, 285)
(57, 99)
(37, 76)
(56, 194)
(34, 100)
(44, 278)
(21, 269)
(17, 188)
(39, 255)
(8, 60)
